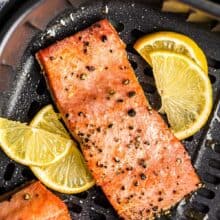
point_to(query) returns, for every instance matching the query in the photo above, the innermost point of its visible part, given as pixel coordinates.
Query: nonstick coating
(23, 90)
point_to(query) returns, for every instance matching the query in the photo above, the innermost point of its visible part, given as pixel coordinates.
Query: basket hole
(210, 143)
(82, 195)
(189, 139)
(41, 88)
(96, 216)
(26, 173)
(133, 64)
(200, 207)
(9, 171)
(2, 190)
(214, 164)
(218, 214)
(102, 201)
(119, 26)
(34, 108)
(211, 179)
(217, 148)
(193, 214)
(148, 71)
(137, 33)
(212, 78)
(74, 207)
(131, 49)
(148, 88)
(214, 63)
(206, 193)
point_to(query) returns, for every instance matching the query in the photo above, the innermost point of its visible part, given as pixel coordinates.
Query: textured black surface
(23, 91)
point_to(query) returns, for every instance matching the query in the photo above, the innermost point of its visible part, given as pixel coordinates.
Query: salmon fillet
(34, 202)
(139, 164)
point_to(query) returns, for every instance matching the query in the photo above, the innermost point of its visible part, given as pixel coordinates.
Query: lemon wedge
(70, 174)
(186, 92)
(31, 146)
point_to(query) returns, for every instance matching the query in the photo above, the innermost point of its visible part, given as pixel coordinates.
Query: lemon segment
(174, 42)
(70, 174)
(31, 146)
(186, 92)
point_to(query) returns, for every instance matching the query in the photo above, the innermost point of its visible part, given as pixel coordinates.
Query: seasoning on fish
(135, 160)
(34, 202)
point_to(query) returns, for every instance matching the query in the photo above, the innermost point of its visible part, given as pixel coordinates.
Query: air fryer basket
(23, 91)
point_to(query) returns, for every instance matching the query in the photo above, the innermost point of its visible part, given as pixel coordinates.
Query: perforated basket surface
(23, 91)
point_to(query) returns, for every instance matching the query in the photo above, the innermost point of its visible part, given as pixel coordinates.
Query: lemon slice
(173, 42)
(48, 120)
(70, 174)
(31, 146)
(185, 91)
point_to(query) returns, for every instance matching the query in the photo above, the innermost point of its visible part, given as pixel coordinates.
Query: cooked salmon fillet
(34, 202)
(142, 168)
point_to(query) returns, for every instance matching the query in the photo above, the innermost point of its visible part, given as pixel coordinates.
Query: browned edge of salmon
(34, 202)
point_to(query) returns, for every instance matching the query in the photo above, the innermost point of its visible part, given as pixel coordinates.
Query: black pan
(27, 26)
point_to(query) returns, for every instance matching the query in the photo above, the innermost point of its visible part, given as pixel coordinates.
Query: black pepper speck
(99, 164)
(83, 76)
(126, 81)
(86, 43)
(111, 92)
(27, 196)
(160, 199)
(104, 38)
(90, 68)
(110, 125)
(146, 142)
(130, 127)
(116, 139)
(155, 208)
(141, 162)
(129, 168)
(131, 94)
(143, 177)
(52, 58)
(116, 159)
(131, 112)
(81, 114)
(135, 183)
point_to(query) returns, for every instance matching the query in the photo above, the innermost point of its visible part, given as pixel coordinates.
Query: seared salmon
(34, 202)
(142, 168)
